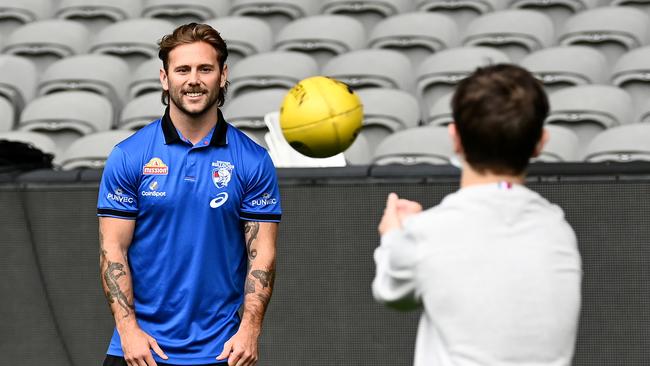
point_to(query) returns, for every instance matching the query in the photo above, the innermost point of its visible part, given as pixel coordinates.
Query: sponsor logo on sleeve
(119, 196)
(152, 192)
(221, 173)
(219, 200)
(155, 166)
(264, 200)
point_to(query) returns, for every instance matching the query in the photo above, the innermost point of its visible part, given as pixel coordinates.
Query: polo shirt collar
(218, 137)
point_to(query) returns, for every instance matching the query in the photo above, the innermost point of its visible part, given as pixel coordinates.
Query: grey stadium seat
(369, 12)
(515, 32)
(561, 67)
(270, 70)
(14, 14)
(386, 111)
(276, 13)
(7, 115)
(322, 36)
(103, 74)
(98, 14)
(133, 40)
(67, 116)
(642, 5)
(440, 113)
(438, 74)
(612, 30)
(417, 35)
(141, 111)
(245, 36)
(461, 11)
(39, 140)
(247, 111)
(621, 144)
(644, 113)
(359, 153)
(589, 109)
(420, 145)
(562, 145)
(17, 80)
(372, 68)
(558, 10)
(146, 79)
(91, 151)
(185, 11)
(47, 41)
(631, 73)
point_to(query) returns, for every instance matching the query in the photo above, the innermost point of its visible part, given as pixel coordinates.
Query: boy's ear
(455, 139)
(541, 143)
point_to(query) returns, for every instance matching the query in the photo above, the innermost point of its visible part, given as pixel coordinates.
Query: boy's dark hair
(499, 113)
(191, 33)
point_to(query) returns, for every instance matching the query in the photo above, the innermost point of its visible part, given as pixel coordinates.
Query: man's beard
(178, 101)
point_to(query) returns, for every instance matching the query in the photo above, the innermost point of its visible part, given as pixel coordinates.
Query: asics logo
(219, 200)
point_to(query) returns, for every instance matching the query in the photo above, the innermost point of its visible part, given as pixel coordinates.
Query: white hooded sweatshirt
(498, 272)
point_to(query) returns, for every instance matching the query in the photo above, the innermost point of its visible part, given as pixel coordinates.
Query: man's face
(193, 78)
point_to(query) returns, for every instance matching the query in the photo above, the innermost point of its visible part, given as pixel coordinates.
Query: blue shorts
(120, 361)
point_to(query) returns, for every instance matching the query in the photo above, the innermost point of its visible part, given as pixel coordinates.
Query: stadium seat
(438, 74)
(38, 140)
(440, 113)
(141, 111)
(589, 109)
(245, 36)
(642, 5)
(461, 11)
(632, 74)
(621, 144)
(91, 151)
(14, 14)
(67, 116)
(270, 70)
(276, 13)
(146, 79)
(515, 32)
(133, 40)
(359, 153)
(247, 111)
(323, 36)
(562, 146)
(386, 111)
(644, 113)
(419, 145)
(103, 74)
(17, 80)
(372, 68)
(7, 115)
(185, 11)
(417, 35)
(98, 14)
(369, 12)
(611, 30)
(47, 41)
(561, 67)
(557, 10)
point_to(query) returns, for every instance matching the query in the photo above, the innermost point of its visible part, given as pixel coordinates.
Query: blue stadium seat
(185, 11)
(515, 32)
(276, 13)
(322, 37)
(245, 36)
(419, 145)
(417, 35)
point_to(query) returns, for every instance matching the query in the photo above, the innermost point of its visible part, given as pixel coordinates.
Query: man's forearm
(117, 284)
(260, 245)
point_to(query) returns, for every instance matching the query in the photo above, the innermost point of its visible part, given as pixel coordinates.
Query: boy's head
(499, 114)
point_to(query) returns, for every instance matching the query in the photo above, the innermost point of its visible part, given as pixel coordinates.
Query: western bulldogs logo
(221, 173)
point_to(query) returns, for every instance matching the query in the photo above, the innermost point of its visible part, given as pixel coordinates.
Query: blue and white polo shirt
(188, 257)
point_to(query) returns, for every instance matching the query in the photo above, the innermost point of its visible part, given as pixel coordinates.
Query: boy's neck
(470, 177)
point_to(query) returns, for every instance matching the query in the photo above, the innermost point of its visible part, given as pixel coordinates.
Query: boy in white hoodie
(494, 266)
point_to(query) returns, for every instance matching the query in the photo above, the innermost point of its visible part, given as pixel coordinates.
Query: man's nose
(194, 77)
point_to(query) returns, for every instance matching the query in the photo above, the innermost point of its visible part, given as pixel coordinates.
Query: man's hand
(396, 211)
(137, 346)
(241, 349)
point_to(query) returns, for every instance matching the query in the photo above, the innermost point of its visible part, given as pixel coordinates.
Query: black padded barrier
(322, 311)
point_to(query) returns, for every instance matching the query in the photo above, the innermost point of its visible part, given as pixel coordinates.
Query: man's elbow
(402, 299)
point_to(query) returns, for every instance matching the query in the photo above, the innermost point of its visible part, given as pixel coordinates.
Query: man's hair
(499, 113)
(191, 33)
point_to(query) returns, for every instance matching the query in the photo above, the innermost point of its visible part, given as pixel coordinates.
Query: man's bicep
(260, 236)
(116, 232)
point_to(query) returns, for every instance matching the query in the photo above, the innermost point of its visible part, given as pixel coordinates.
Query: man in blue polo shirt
(189, 208)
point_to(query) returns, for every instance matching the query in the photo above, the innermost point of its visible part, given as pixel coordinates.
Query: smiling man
(189, 208)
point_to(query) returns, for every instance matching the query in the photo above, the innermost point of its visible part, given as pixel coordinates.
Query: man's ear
(224, 75)
(163, 79)
(541, 143)
(455, 139)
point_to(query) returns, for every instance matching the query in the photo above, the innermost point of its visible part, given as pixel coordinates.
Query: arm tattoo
(265, 278)
(251, 229)
(112, 273)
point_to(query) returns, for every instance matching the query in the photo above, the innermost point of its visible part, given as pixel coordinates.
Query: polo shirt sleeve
(118, 190)
(261, 200)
